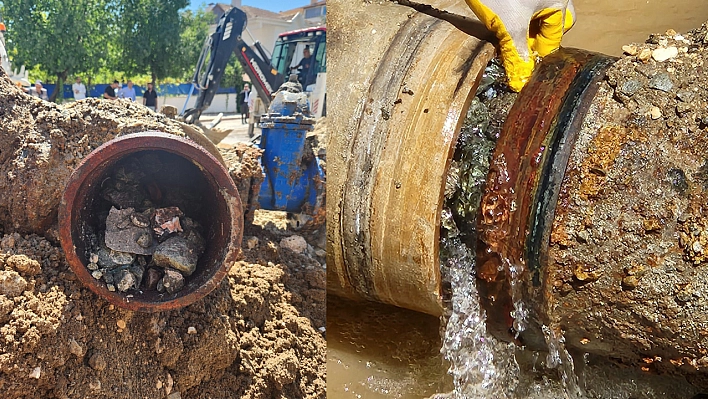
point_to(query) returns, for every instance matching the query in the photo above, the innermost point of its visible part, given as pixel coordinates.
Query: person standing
(128, 92)
(150, 98)
(245, 97)
(79, 89)
(110, 92)
(38, 90)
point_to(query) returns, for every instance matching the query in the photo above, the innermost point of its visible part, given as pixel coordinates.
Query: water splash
(481, 365)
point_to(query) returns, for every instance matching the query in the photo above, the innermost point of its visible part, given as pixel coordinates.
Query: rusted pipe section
(197, 172)
(523, 185)
(594, 215)
(396, 132)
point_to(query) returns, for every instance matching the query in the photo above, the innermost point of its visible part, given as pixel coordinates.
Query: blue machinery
(294, 181)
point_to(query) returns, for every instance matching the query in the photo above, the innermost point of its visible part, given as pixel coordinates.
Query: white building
(265, 26)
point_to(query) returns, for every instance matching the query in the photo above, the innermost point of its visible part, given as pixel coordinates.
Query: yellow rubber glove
(525, 29)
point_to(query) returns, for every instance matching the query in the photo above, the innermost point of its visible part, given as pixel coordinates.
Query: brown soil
(256, 335)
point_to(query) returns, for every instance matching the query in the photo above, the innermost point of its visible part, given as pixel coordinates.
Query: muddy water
(377, 351)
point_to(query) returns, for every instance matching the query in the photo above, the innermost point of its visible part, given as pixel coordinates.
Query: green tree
(62, 37)
(194, 31)
(149, 38)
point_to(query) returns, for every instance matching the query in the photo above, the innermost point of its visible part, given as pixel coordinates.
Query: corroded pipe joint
(195, 171)
(522, 188)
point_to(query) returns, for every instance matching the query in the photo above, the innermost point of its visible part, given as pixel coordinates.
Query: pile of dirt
(259, 334)
(42, 142)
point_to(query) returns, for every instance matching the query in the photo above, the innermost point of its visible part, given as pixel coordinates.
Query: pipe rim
(111, 152)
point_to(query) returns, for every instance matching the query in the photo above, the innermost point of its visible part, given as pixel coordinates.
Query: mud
(259, 334)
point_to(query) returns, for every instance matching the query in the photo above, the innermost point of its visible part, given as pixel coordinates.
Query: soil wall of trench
(257, 335)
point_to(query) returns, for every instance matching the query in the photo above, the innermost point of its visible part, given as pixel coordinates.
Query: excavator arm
(216, 52)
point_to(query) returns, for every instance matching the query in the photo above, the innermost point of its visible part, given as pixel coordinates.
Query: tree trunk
(59, 87)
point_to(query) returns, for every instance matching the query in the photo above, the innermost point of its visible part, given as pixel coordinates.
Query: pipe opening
(121, 176)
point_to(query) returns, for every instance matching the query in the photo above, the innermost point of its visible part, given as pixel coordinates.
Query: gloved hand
(525, 29)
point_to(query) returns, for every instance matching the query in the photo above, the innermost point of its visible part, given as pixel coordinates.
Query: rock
(145, 240)
(174, 395)
(36, 373)
(644, 55)
(167, 220)
(191, 330)
(294, 243)
(154, 275)
(125, 280)
(630, 87)
(630, 50)
(196, 239)
(683, 295)
(92, 266)
(583, 236)
(104, 258)
(95, 385)
(655, 113)
(177, 253)
(97, 362)
(685, 96)
(661, 81)
(121, 324)
(122, 258)
(128, 232)
(630, 282)
(173, 281)
(584, 275)
(139, 220)
(252, 242)
(663, 54)
(23, 264)
(75, 348)
(11, 283)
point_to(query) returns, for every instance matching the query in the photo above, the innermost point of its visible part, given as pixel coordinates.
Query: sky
(270, 5)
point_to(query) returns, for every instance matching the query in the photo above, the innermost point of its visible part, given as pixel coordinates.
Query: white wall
(222, 103)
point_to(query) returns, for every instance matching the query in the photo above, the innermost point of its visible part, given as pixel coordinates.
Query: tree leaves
(63, 38)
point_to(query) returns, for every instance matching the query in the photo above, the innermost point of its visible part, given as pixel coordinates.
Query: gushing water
(480, 364)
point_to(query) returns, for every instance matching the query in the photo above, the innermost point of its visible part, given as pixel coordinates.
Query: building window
(314, 12)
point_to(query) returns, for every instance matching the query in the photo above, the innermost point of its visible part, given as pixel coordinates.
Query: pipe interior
(181, 182)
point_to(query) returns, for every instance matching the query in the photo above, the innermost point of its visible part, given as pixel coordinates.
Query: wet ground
(369, 346)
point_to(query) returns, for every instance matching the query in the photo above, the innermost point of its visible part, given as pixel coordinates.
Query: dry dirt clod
(11, 283)
(97, 362)
(36, 373)
(23, 265)
(75, 348)
(294, 243)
